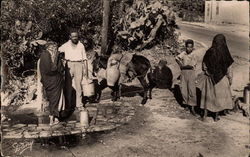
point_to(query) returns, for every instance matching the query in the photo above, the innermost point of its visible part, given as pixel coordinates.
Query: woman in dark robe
(51, 68)
(215, 88)
(162, 75)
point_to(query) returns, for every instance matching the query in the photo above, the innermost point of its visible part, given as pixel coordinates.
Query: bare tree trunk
(4, 73)
(105, 26)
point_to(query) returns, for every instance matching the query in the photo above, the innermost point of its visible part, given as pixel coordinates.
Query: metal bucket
(88, 87)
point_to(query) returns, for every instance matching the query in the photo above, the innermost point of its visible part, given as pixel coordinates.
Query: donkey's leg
(151, 86)
(115, 92)
(101, 86)
(145, 89)
(98, 96)
(119, 93)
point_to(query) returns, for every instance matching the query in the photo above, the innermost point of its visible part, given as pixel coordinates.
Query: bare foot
(216, 119)
(194, 114)
(203, 119)
(54, 121)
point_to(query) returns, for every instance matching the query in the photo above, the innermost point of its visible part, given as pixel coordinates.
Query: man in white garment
(75, 55)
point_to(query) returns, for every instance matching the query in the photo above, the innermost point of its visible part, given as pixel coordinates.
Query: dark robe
(218, 58)
(163, 77)
(52, 80)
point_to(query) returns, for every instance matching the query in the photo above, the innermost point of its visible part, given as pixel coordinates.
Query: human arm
(204, 69)
(187, 67)
(190, 63)
(230, 75)
(85, 62)
(61, 51)
(193, 61)
(179, 59)
(186, 61)
(61, 62)
(85, 69)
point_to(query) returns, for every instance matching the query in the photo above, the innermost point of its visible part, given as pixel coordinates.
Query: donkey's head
(99, 62)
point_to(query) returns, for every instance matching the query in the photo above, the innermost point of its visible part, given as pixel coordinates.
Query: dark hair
(73, 30)
(189, 41)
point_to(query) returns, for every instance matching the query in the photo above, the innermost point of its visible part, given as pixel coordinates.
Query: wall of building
(227, 12)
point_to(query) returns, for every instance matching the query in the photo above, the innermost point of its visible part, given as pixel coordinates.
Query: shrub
(24, 22)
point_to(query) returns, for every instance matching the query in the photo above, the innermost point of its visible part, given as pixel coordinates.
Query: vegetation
(190, 10)
(143, 24)
(26, 25)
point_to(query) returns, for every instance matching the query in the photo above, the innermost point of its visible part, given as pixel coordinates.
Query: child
(187, 62)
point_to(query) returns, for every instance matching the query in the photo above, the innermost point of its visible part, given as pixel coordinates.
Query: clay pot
(113, 74)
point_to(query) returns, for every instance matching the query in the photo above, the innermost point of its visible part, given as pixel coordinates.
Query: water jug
(113, 74)
(84, 118)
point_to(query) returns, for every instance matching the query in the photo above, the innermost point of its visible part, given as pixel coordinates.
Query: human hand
(179, 62)
(206, 73)
(64, 62)
(84, 73)
(187, 67)
(230, 81)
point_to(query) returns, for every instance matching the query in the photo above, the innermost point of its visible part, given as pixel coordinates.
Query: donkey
(142, 68)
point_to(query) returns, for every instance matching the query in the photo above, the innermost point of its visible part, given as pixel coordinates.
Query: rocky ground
(161, 128)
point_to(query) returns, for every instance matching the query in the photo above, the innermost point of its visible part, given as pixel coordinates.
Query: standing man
(76, 59)
(187, 61)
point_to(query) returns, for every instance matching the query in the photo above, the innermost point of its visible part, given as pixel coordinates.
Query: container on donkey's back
(113, 72)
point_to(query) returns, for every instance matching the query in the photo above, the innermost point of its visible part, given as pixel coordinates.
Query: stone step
(110, 116)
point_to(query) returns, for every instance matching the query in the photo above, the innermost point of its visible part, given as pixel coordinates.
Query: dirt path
(163, 128)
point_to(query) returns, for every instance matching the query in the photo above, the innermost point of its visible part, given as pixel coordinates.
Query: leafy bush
(143, 24)
(24, 22)
(27, 24)
(190, 10)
